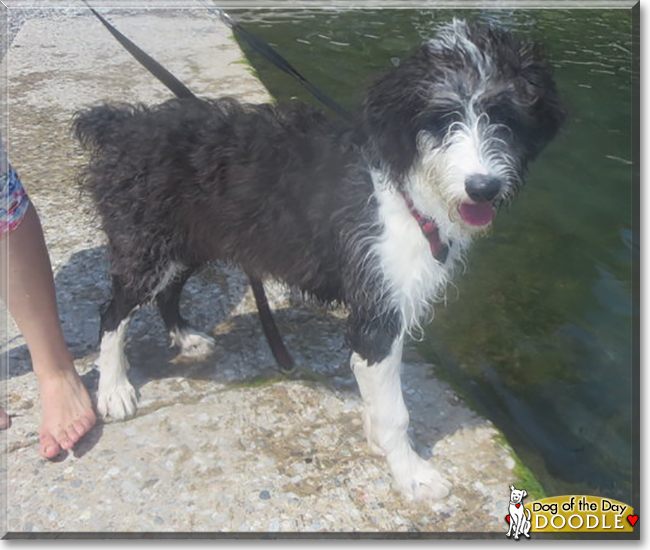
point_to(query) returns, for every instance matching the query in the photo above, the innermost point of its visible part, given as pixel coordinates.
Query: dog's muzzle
(482, 189)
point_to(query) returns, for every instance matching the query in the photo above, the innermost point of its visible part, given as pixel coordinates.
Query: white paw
(118, 402)
(417, 479)
(192, 342)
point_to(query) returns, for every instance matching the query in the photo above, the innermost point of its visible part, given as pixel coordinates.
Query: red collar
(430, 231)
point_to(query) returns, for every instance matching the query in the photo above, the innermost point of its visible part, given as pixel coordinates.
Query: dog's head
(517, 496)
(456, 124)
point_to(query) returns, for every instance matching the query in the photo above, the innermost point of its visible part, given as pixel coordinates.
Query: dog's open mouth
(477, 214)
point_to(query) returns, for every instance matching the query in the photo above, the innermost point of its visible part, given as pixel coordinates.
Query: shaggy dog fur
(376, 216)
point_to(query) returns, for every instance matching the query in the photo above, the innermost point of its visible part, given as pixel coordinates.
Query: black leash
(261, 47)
(168, 79)
(266, 51)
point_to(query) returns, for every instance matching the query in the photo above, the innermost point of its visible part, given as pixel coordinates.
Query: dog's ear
(512, 487)
(524, 494)
(390, 111)
(538, 87)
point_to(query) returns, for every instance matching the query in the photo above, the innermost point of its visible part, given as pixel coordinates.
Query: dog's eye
(500, 114)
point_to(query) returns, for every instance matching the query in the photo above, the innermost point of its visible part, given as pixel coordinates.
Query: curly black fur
(175, 182)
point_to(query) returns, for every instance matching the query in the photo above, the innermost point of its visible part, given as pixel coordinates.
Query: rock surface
(225, 443)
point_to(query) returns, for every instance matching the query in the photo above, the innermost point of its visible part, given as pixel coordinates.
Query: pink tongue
(477, 214)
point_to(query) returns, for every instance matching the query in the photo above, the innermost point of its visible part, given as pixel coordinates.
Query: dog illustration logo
(518, 517)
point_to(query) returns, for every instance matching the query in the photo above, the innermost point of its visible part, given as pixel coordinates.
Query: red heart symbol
(508, 518)
(633, 519)
(517, 505)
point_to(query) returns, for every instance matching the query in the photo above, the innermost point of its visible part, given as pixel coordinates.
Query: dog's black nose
(482, 188)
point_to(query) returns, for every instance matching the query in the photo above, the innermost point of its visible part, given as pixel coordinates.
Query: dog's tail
(104, 131)
(97, 127)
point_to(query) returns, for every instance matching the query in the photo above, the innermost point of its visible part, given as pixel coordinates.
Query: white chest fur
(413, 278)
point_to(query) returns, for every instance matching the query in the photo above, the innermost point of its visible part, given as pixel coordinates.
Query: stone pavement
(223, 444)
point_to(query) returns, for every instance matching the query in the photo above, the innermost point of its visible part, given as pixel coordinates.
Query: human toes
(77, 429)
(82, 426)
(5, 420)
(50, 448)
(67, 437)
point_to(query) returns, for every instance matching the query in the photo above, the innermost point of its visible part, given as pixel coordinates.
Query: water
(538, 332)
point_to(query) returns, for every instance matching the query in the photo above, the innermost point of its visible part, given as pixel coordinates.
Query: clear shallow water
(538, 332)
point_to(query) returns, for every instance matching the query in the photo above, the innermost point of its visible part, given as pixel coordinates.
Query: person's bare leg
(27, 287)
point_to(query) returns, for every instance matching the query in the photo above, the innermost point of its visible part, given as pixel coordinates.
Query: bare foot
(67, 413)
(5, 420)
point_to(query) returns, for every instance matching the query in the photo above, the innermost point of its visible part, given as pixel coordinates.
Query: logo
(518, 515)
(567, 514)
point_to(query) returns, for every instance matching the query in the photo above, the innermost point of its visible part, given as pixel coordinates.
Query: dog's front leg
(386, 422)
(116, 397)
(517, 529)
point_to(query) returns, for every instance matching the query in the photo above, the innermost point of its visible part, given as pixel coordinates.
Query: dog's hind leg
(386, 418)
(192, 343)
(116, 397)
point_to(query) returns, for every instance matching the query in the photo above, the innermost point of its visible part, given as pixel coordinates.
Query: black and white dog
(376, 217)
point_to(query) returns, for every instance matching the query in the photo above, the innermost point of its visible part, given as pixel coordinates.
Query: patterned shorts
(13, 201)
